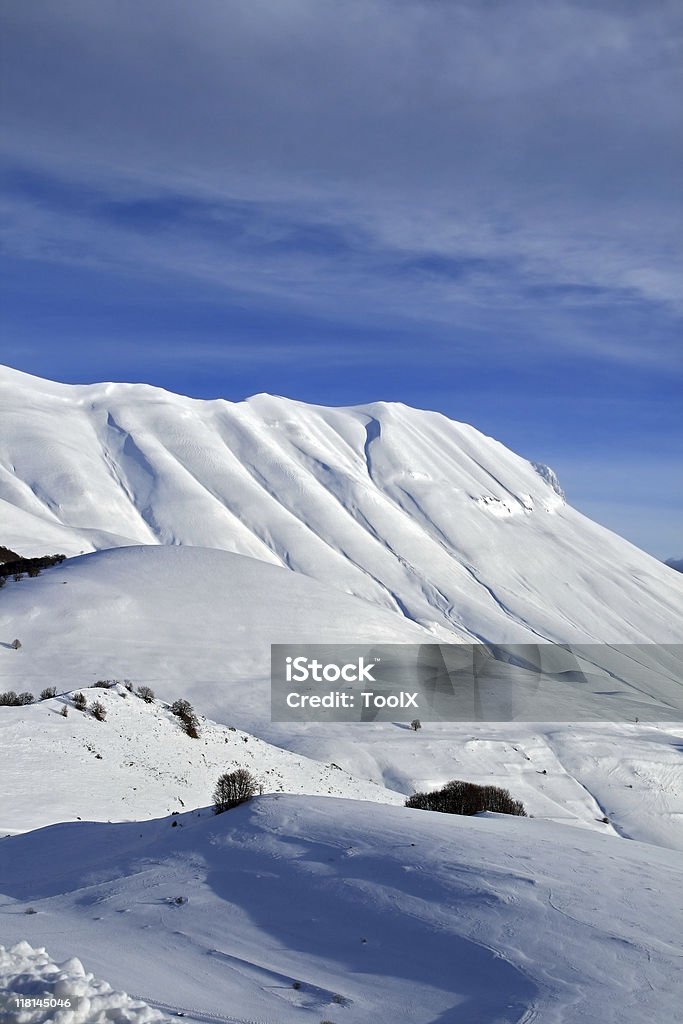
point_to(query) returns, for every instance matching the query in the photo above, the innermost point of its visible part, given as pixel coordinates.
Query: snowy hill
(408, 510)
(198, 624)
(286, 910)
(187, 621)
(138, 763)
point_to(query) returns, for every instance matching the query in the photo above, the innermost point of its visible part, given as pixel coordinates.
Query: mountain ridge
(406, 509)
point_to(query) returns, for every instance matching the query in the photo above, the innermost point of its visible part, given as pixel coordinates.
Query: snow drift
(31, 973)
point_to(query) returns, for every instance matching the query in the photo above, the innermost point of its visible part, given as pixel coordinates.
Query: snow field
(306, 909)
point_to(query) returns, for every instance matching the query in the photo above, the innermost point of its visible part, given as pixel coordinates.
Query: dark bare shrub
(65, 711)
(416, 724)
(80, 703)
(182, 708)
(233, 788)
(17, 566)
(98, 711)
(459, 797)
(49, 691)
(146, 693)
(16, 645)
(420, 801)
(184, 711)
(15, 700)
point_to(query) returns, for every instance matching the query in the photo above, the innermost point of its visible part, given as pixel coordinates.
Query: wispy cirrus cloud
(316, 261)
(289, 186)
(318, 151)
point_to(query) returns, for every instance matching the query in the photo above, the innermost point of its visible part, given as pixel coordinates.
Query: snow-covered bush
(31, 974)
(79, 701)
(49, 691)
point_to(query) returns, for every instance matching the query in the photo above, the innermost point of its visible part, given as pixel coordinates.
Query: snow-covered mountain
(412, 512)
(206, 531)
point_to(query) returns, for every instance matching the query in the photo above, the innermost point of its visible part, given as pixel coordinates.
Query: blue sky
(473, 207)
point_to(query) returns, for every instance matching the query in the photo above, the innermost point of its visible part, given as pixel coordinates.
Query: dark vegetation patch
(17, 567)
(458, 797)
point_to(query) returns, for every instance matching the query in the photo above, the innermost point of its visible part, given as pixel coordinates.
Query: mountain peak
(406, 509)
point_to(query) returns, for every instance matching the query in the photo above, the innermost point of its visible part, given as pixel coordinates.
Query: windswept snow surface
(406, 509)
(378, 914)
(27, 973)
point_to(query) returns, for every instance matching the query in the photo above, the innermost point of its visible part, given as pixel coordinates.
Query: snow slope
(198, 624)
(187, 621)
(378, 914)
(406, 509)
(138, 763)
